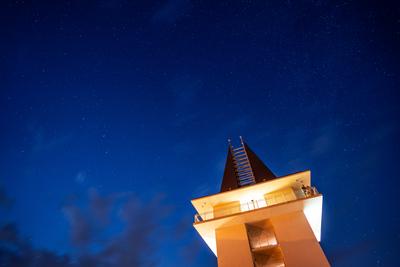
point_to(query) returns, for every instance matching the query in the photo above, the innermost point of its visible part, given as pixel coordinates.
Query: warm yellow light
(252, 201)
(313, 213)
(212, 243)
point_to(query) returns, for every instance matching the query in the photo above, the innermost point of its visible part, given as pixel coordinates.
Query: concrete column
(299, 246)
(233, 247)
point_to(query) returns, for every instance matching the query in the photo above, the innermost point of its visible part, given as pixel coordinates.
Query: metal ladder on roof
(243, 170)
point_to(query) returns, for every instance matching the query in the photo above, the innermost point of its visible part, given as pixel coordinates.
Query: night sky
(114, 114)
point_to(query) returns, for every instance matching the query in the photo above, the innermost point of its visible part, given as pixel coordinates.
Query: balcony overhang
(251, 192)
(311, 207)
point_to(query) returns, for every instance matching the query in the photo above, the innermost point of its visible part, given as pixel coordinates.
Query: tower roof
(243, 167)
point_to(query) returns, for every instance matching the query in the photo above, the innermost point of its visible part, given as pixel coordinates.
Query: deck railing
(251, 205)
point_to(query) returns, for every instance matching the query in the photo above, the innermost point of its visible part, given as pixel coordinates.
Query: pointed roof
(255, 170)
(229, 180)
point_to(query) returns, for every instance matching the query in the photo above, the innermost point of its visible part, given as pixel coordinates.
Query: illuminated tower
(259, 219)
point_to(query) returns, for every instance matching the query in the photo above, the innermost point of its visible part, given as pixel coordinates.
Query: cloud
(14, 251)
(9, 233)
(135, 245)
(81, 229)
(324, 141)
(100, 206)
(141, 229)
(171, 11)
(80, 177)
(5, 201)
(106, 230)
(138, 236)
(18, 252)
(42, 142)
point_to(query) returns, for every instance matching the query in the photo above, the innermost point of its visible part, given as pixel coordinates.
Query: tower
(258, 219)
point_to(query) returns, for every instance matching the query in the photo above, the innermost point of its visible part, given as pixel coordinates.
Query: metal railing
(300, 193)
(251, 205)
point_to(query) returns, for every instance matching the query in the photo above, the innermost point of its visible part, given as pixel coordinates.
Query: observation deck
(251, 203)
(280, 197)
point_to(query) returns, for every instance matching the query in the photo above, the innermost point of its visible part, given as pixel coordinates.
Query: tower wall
(297, 241)
(233, 247)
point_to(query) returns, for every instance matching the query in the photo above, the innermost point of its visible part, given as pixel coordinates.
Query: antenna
(230, 144)
(241, 140)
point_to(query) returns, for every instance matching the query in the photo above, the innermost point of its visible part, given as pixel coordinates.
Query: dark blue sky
(115, 114)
